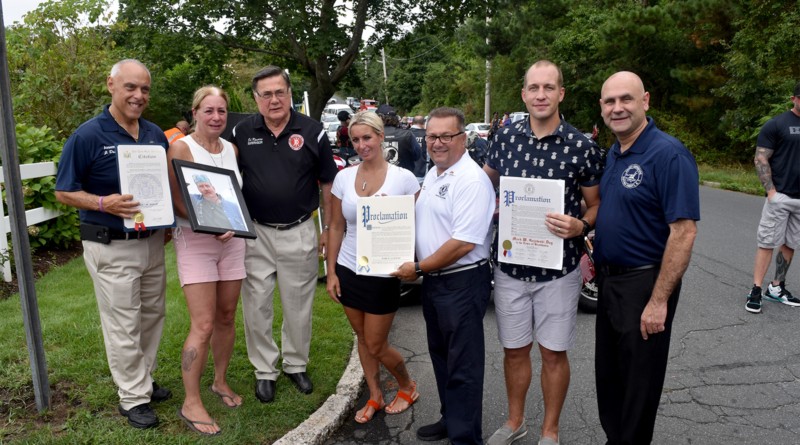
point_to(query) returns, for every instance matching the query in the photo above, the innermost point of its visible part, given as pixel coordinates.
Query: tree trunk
(318, 97)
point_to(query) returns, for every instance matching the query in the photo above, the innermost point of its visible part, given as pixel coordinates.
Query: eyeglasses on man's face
(267, 95)
(445, 138)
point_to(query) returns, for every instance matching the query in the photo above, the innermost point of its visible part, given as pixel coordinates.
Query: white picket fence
(33, 216)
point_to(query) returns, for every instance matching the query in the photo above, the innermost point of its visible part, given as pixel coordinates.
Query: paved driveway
(732, 376)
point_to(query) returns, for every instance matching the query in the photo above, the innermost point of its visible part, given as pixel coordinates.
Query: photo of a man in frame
(212, 209)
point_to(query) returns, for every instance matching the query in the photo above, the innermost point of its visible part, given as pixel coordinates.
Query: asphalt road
(733, 377)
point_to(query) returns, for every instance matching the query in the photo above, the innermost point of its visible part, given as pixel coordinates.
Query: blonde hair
(370, 119)
(202, 93)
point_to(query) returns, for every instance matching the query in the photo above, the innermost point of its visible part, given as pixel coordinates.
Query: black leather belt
(120, 235)
(439, 272)
(292, 225)
(611, 270)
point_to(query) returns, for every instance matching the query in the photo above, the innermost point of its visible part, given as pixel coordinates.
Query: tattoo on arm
(401, 372)
(781, 267)
(188, 356)
(763, 168)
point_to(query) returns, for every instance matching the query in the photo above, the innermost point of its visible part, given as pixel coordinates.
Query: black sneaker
(754, 301)
(140, 416)
(434, 431)
(159, 394)
(779, 294)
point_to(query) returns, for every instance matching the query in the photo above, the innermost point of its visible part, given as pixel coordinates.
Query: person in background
(402, 148)
(370, 302)
(343, 142)
(210, 267)
(180, 130)
(418, 130)
(506, 119)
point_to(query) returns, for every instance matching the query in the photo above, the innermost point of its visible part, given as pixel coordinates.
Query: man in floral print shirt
(531, 299)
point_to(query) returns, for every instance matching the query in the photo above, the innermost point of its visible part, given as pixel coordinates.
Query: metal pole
(385, 78)
(487, 104)
(19, 234)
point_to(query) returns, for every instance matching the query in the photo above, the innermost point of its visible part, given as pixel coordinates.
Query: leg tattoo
(401, 371)
(781, 267)
(188, 357)
(377, 378)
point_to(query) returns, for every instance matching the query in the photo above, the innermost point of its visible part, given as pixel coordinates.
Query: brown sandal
(379, 405)
(405, 396)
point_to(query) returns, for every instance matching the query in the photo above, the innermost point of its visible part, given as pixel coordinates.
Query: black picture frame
(241, 222)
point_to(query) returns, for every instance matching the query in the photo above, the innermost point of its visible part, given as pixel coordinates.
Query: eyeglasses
(445, 138)
(267, 95)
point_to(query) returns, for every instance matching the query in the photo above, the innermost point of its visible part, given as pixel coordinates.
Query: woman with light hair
(210, 268)
(370, 302)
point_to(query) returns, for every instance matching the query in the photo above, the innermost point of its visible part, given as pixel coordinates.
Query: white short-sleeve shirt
(457, 204)
(399, 182)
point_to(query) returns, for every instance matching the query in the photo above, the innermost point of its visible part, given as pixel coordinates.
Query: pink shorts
(202, 259)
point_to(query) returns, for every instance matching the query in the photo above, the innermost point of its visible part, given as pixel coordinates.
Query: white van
(334, 109)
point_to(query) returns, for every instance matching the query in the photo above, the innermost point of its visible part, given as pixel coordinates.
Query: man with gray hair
(283, 156)
(453, 226)
(127, 268)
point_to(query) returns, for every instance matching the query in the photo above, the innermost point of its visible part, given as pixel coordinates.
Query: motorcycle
(588, 298)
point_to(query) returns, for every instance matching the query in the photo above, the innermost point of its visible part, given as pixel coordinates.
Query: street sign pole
(19, 233)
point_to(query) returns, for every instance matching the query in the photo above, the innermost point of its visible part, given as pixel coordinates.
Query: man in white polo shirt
(453, 225)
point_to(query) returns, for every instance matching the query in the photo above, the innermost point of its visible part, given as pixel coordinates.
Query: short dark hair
(443, 112)
(271, 71)
(542, 64)
(390, 120)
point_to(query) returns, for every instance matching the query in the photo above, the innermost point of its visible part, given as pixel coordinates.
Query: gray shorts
(549, 307)
(780, 223)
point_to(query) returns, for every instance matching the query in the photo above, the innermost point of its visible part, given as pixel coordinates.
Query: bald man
(180, 131)
(127, 268)
(649, 202)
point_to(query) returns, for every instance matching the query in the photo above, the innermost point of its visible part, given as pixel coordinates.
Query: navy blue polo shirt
(280, 172)
(654, 183)
(89, 161)
(565, 154)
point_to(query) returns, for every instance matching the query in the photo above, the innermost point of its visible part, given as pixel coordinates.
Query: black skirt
(373, 295)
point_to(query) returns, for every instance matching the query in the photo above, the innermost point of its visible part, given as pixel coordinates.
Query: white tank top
(225, 159)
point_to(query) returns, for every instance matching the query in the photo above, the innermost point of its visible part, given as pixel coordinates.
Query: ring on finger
(558, 230)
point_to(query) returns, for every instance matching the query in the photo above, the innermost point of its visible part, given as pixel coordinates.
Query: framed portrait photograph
(213, 200)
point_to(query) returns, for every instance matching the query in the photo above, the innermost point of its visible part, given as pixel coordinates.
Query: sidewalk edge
(330, 416)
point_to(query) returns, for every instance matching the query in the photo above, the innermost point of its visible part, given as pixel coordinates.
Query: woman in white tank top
(210, 268)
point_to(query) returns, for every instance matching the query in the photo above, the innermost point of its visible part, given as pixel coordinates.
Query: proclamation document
(385, 234)
(143, 174)
(523, 237)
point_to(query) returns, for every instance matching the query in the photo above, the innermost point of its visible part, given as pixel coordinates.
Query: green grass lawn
(85, 408)
(739, 178)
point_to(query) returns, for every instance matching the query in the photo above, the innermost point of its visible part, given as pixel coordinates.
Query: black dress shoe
(434, 431)
(265, 390)
(140, 416)
(159, 394)
(302, 382)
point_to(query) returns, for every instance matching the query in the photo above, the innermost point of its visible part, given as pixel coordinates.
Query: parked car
(481, 128)
(368, 105)
(328, 119)
(334, 109)
(518, 116)
(331, 130)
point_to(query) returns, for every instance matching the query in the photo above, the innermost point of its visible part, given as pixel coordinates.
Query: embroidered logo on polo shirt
(295, 141)
(794, 130)
(109, 150)
(443, 190)
(632, 176)
(255, 141)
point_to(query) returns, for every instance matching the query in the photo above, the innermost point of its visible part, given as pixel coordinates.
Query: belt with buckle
(439, 272)
(611, 270)
(120, 235)
(291, 225)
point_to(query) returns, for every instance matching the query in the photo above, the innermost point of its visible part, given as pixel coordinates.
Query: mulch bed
(44, 260)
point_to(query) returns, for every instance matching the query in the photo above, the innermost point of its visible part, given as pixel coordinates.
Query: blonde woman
(370, 302)
(210, 268)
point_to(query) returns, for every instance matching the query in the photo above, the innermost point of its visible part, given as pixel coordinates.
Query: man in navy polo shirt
(777, 160)
(532, 299)
(649, 202)
(127, 268)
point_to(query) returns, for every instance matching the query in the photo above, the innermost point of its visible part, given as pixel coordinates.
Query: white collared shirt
(458, 204)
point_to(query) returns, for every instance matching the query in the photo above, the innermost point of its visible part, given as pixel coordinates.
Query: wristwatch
(586, 228)
(417, 270)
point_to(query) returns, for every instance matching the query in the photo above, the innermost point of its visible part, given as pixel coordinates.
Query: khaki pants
(290, 258)
(130, 284)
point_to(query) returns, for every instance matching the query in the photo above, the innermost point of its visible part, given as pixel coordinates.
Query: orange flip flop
(410, 398)
(376, 405)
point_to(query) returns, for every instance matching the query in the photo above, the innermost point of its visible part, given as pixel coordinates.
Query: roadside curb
(330, 416)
